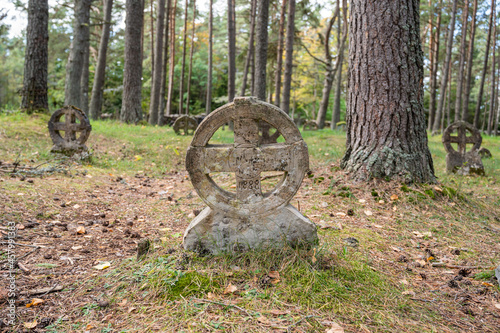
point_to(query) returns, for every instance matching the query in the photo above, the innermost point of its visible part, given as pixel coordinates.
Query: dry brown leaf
(263, 320)
(497, 305)
(20, 227)
(336, 328)
(35, 302)
(274, 274)
(123, 302)
(394, 197)
(278, 312)
(368, 213)
(30, 325)
(230, 289)
(108, 317)
(487, 284)
(210, 295)
(438, 189)
(89, 327)
(80, 230)
(131, 309)
(76, 206)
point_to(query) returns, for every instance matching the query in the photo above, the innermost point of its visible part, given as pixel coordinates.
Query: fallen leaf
(368, 213)
(89, 327)
(274, 274)
(487, 284)
(35, 302)
(131, 309)
(102, 266)
(263, 320)
(377, 226)
(20, 227)
(230, 289)
(409, 292)
(76, 206)
(497, 305)
(395, 249)
(438, 189)
(278, 312)
(394, 197)
(80, 230)
(108, 317)
(123, 302)
(336, 328)
(137, 158)
(210, 295)
(76, 247)
(30, 325)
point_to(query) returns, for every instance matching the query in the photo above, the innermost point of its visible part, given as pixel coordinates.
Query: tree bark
(72, 89)
(154, 105)
(231, 32)
(250, 49)
(485, 68)
(208, 106)
(183, 64)
(131, 111)
(287, 78)
(261, 49)
(338, 78)
(279, 59)
(171, 73)
(34, 93)
(84, 80)
(470, 62)
(460, 71)
(100, 72)
(386, 136)
(447, 63)
(191, 58)
(164, 71)
(493, 79)
(434, 65)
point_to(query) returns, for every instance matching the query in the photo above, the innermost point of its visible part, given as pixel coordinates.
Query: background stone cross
(70, 127)
(461, 139)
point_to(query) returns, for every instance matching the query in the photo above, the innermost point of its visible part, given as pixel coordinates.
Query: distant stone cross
(463, 161)
(76, 128)
(248, 218)
(185, 123)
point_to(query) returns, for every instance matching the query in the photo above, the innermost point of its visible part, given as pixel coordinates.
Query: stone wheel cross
(75, 122)
(461, 139)
(185, 123)
(247, 158)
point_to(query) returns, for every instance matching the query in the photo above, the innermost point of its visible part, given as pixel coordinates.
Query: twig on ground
(27, 254)
(442, 264)
(289, 328)
(16, 163)
(223, 304)
(19, 244)
(43, 291)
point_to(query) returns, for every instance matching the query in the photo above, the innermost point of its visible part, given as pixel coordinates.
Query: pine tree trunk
(34, 93)
(460, 71)
(497, 108)
(261, 49)
(485, 68)
(444, 80)
(74, 67)
(287, 78)
(84, 80)
(154, 105)
(183, 64)
(164, 71)
(434, 64)
(208, 106)
(100, 72)
(231, 32)
(250, 49)
(170, 94)
(279, 59)
(131, 111)
(152, 26)
(470, 62)
(386, 136)
(191, 59)
(493, 79)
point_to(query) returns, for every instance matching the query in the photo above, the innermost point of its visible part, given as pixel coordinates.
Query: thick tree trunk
(152, 26)
(154, 105)
(493, 79)
(485, 68)
(84, 80)
(74, 67)
(434, 65)
(100, 72)
(250, 49)
(208, 106)
(460, 71)
(164, 71)
(287, 78)
(279, 59)
(131, 111)
(444, 80)
(34, 93)
(183, 64)
(261, 49)
(497, 108)
(386, 136)
(191, 50)
(171, 73)
(470, 62)
(231, 32)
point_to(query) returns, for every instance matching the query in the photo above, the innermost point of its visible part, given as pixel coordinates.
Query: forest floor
(391, 257)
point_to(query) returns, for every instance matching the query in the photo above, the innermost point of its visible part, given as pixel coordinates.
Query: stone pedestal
(215, 232)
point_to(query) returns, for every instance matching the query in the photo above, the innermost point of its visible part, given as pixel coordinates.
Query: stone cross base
(69, 148)
(214, 232)
(464, 164)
